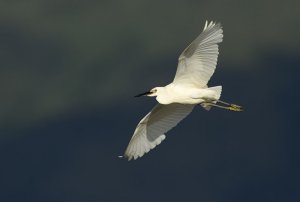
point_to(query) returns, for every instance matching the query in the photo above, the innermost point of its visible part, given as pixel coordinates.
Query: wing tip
(211, 24)
(132, 154)
(205, 26)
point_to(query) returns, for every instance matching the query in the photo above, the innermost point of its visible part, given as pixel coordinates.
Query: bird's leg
(232, 107)
(229, 104)
(220, 101)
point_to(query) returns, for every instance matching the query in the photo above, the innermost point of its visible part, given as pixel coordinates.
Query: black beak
(146, 93)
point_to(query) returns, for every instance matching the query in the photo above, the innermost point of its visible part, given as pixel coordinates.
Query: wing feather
(198, 61)
(152, 128)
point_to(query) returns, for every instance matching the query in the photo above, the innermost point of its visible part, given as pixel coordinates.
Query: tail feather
(218, 90)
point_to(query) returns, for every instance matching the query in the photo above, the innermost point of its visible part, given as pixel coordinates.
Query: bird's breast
(178, 96)
(164, 100)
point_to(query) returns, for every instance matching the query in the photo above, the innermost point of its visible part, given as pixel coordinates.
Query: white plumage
(197, 62)
(152, 128)
(196, 65)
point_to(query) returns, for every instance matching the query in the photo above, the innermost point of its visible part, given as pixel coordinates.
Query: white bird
(196, 65)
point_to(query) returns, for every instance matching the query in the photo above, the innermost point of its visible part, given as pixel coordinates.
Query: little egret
(196, 65)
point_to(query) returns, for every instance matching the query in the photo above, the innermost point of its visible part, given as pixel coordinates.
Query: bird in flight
(196, 65)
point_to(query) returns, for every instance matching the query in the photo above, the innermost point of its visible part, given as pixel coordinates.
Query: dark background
(68, 74)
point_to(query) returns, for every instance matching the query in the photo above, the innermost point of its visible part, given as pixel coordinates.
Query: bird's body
(173, 93)
(196, 65)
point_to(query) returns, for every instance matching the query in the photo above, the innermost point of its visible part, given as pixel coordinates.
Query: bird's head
(153, 92)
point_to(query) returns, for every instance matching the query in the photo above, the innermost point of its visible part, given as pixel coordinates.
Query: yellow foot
(235, 108)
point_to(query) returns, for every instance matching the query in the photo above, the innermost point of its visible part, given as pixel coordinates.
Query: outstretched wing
(152, 128)
(197, 62)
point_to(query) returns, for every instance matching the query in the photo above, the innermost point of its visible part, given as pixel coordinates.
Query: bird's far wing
(152, 128)
(197, 62)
